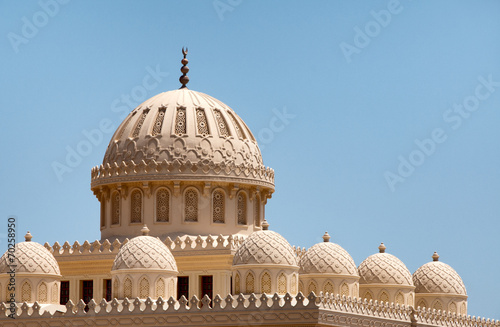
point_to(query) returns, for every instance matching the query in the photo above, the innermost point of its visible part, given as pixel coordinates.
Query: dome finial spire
(265, 225)
(326, 237)
(145, 230)
(28, 237)
(184, 79)
(381, 248)
(435, 256)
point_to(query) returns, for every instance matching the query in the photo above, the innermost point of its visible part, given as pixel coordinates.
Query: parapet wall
(253, 310)
(186, 243)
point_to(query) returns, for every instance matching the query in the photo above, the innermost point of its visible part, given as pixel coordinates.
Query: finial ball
(381, 248)
(145, 230)
(265, 225)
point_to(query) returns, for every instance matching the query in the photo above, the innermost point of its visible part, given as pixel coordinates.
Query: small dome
(327, 258)
(31, 257)
(384, 268)
(265, 247)
(144, 252)
(438, 277)
(178, 128)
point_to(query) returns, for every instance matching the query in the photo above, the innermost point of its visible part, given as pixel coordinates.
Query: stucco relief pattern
(144, 252)
(384, 268)
(265, 247)
(138, 139)
(438, 277)
(327, 258)
(31, 257)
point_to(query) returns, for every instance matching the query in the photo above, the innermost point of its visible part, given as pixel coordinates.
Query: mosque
(185, 242)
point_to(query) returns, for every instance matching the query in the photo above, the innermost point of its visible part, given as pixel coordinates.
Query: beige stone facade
(185, 242)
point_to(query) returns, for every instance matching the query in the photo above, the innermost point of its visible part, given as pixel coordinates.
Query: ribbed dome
(186, 134)
(144, 252)
(384, 268)
(438, 277)
(265, 247)
(31, 257)
(327, 258)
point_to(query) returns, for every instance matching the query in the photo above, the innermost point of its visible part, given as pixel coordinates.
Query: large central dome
(185, 164)
(183, 134)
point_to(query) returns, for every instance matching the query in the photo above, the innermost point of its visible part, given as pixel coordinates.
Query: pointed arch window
(191, 205)
(162, 205)
(115, 208)
(218, 206)
(328, 288)
(127, 288)
(384, 297)
(250, 283)
(26, 292)
(265, 283)
(242, 208)
(237, 289)
(136, 206)
(144, 288)
(282, 289)
(42, 293)
(312, 288)
(160, 288)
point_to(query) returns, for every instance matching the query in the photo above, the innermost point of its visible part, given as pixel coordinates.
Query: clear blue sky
(364, 80)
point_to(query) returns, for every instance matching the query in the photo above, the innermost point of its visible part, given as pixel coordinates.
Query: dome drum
(187, 208)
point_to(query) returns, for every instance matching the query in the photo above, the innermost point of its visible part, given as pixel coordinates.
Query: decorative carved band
(152, 170)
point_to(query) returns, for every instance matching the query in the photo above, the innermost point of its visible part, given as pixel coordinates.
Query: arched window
(312, 288)
(55, 294)
(383, 297)
(437, 305)
(328, 288)
(294, 284)
(191, 205)
(136, 206)
(344, 290)
(301, 287)
(116, 287)
(162, 205)
(452, 307)
(115, 208)
(242, 208)
(218, 206)
(265, 283)
(144, 288)
(463, 309)
(237, 289)
(256, 210)
(127, 288)
(250, 282)
(400, 299)
(422, 304)
(410, 299)
(26, 292)
(160, 288)
(368, 296)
